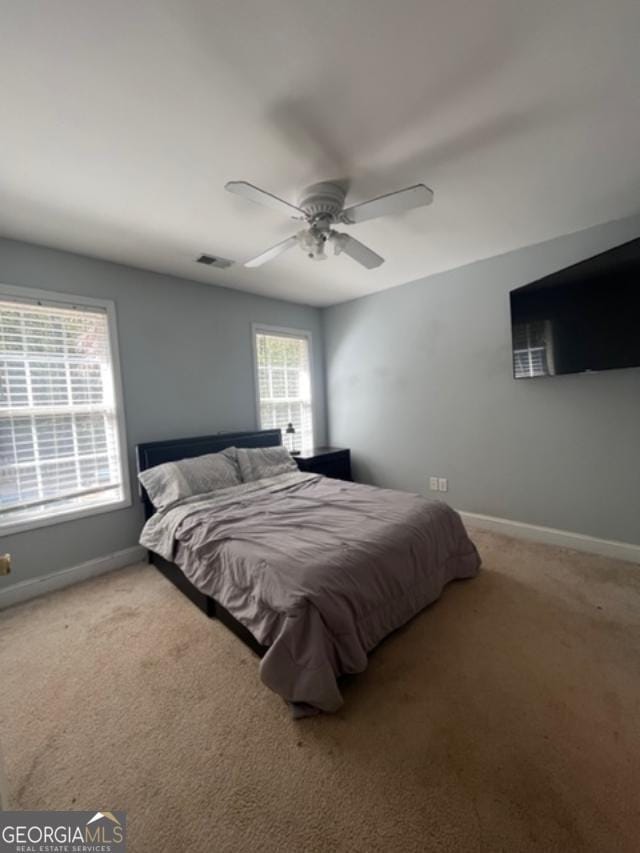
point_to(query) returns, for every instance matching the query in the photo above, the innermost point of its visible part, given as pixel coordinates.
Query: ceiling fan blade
(357, 250)
(273, 252)
(383, 205)
(248, 191)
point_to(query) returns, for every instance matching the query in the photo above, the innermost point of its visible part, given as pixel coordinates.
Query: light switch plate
(443, 484)
(433, 484)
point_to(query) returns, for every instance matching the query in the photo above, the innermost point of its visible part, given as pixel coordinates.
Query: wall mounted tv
(580, 319)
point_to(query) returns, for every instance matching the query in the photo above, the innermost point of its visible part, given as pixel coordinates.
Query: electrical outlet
(443, 484)
(433, 484)
(5, 564)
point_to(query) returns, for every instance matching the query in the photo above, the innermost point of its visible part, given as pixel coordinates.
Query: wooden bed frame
(157, 452)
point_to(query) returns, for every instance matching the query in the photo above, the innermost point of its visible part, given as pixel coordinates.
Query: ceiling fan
(321, 206)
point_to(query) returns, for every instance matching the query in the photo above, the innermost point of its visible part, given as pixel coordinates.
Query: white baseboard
(24, 590)
(551, 536)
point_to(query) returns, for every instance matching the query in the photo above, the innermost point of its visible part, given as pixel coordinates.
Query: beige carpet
(504, 718)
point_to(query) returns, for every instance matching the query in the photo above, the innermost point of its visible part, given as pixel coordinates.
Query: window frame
(284, 332)
(55, 299)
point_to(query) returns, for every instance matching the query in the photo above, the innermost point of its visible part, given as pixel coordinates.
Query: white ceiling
(121, 123)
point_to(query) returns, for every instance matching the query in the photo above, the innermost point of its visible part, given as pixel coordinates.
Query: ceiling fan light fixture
(319, 254)
(322, 206)
(312, 243)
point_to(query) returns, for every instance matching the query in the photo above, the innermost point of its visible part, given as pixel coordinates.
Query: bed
(311, 573)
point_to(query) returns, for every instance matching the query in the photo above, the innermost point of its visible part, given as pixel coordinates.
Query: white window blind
(284, 384)
(59, 441)
(531, 349)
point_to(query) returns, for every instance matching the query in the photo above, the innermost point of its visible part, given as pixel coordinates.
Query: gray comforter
(319, 570)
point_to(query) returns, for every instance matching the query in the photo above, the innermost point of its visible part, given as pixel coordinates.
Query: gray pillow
(174, 481)
(259, 462)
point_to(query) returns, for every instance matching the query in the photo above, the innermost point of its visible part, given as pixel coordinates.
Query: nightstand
(331, 461)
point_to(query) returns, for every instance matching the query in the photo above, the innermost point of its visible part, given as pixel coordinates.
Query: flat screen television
(580, 319)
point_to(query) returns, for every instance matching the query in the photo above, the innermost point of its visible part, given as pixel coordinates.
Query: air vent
(214, 261)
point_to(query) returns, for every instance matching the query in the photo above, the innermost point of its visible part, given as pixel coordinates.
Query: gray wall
(419, 383)
(187, 369)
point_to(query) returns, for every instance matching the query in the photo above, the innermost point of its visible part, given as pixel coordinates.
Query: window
(532, 349)
(283, 371)
(61, 426)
